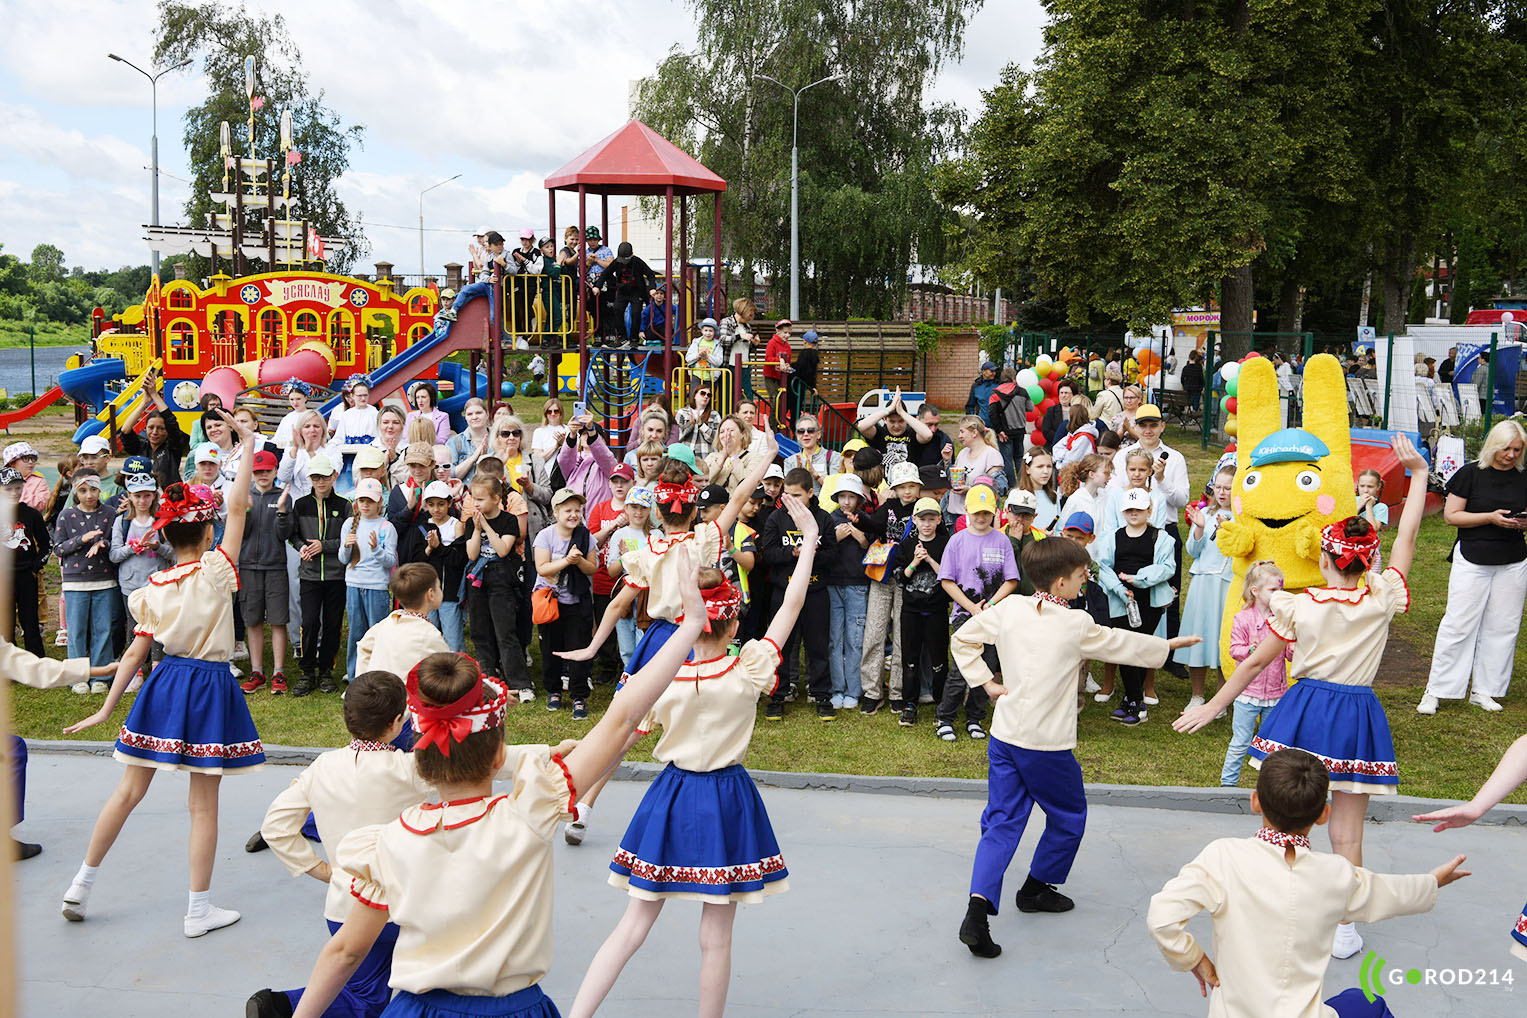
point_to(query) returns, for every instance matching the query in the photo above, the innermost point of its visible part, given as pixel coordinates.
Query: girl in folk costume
(468, 879)
(190, 714)
(1338, 632)
(701, 832)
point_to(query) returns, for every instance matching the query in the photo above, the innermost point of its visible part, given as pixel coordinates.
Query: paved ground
(878, 885)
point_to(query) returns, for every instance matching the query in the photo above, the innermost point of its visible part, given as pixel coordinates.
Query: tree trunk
(1399, 265)
(1237, 298)
(1288, 305)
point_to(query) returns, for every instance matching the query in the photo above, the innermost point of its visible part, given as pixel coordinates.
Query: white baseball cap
(775, 470)
(437, 489)
(321, 466)
(370, 488)
(205, 453)
(94, 446)
(904, 473)
(1025, 501)
(1136, 498)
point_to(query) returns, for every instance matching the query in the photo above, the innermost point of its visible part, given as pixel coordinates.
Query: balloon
(1230, 447)
(1230, 404)
(1506, 318)
(1229, 371)
(1253, 355)
(1047, 404)
(506, 389)
(1048, 385)
(1224, 404)
(1036, 394)
(1230, 428)
(1033, 416)
(1232, 386)
(1027, 378)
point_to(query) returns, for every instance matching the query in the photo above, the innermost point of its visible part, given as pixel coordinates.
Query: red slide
(16, 416)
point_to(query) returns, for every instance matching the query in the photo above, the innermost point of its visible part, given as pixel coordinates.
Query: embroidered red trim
(572, 790)
(140, 631)
(1404, 585)
(358, 896)
(713, 876)
(1281, 839)
(441, 825)
(1366, 768)
(237, 583)
(213, 750)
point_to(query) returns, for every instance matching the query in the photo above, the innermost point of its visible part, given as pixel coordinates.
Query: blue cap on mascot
(1290, 445)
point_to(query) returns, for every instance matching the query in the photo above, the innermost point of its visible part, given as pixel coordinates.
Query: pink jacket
(588, 472)
(1248, 629)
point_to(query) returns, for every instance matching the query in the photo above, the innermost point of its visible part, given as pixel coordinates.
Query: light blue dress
(1204, 608)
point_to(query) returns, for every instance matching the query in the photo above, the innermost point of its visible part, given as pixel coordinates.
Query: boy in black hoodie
(848, 589)
(779, 548)
(924, 603)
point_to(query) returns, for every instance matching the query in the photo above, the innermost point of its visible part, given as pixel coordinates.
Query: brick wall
(951, 370)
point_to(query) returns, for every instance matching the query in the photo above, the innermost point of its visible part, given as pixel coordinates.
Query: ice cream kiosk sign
(281, 292)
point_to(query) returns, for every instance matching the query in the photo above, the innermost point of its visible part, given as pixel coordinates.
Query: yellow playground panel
(539, 306)
(718, 380)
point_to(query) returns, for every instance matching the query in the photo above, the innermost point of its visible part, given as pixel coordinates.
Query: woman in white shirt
(547, 439)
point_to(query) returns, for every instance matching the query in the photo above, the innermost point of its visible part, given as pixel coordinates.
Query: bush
(5, 402)
(22, 398)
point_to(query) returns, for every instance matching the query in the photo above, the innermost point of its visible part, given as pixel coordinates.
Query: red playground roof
(635, 160)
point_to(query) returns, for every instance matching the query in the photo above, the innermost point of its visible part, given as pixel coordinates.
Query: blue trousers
(449, 620)
(1017, 779)
(92, 616)
(18, 761)
(1243, 728)
(845, 638)
(364, 608)
(367, 993)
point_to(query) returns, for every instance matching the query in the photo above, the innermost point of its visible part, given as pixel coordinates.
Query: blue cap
(1079, 521)
(1290, 445)
(137, 465)
(810, 336)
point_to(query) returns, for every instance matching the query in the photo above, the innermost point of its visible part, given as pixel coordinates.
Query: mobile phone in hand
(580, 409)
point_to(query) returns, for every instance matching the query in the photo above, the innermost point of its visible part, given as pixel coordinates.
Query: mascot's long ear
(1256, 407)
(1325, 405)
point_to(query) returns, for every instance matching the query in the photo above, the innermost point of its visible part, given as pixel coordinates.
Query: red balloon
(1033, 416)
(1252, 355)
(1048, 385)
(1047, 404)
(1230, 447)
(1230, 405)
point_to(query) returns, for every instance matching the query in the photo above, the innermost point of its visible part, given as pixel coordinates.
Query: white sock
(199, 904)
(582, 812)
(86, 876)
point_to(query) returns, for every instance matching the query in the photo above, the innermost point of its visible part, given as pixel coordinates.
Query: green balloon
(1224, 404)
(1036, 394)
(1233, 386)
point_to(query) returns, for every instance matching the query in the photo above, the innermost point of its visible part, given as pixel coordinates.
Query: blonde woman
(1476, 639)
(978, 457)
(1124, 421)
(525, 472)
(731, 461)
(546, 439)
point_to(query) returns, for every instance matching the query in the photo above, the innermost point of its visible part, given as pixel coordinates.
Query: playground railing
(719, 380)
(539, 306)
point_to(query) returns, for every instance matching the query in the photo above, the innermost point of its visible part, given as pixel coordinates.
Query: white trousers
(1477, 635)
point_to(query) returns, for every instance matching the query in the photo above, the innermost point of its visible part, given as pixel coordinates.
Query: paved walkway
(878, 885)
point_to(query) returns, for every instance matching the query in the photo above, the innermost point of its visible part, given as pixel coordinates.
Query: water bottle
(1132, 612)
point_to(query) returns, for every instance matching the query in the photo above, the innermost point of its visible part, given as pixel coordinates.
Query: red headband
(190, 509)
(1343, 549)
(723, 601)
(453, 722)
(674, 497)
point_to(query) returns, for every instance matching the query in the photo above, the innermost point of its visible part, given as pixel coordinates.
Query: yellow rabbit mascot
(1289, 482)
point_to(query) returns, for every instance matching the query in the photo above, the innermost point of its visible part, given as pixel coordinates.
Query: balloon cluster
(1146, 357)
(1230, 371)
(1039, 381)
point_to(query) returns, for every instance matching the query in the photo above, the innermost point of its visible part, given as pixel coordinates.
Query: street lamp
(421, 221)
(153, 80)
(795, 221)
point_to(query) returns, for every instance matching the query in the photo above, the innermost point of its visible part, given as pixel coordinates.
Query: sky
(435, 85)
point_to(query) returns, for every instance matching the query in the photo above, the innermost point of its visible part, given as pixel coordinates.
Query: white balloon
(1027, 378)
(1506, 318)
(1229, 371)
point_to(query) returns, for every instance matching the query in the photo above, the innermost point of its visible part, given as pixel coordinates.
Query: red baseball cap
(782, 323)
(624, 471)
(264, 460)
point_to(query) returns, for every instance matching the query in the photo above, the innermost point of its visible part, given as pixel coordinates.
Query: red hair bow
(1343, 549)
(191, 508)
(453, 722)
(674, 497)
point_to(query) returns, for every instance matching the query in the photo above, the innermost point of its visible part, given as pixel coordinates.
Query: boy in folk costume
(468, 879)
(1275, 903)
(1033, 732)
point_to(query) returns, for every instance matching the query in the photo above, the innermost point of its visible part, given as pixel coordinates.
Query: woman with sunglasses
(698, 421)
(814, 458)
(546, 439)
(524, 471)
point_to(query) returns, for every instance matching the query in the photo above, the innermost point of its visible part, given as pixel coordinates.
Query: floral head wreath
(357, 379)
(191, 507)
(482, 707)
(722, 602)
(1344, 548)
(674, 497)
(292, 385)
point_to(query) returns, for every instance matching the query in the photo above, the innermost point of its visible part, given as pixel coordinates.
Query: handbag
(543, 605)
(875, 558)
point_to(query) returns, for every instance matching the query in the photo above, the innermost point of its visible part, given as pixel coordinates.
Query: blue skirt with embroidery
(1343, 725)
(702, 835)
(527, 1003)
(190, 715)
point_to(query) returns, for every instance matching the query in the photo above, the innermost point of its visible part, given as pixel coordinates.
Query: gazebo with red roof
(636, 160)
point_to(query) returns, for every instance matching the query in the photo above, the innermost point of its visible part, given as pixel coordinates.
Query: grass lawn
(1446, 756)
(17, 333)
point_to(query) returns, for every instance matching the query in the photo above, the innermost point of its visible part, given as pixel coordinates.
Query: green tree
(222, 37)
(47, 264)
(868, 142)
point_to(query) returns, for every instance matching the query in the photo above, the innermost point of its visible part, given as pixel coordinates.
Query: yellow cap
(926, 505)
(980, 499)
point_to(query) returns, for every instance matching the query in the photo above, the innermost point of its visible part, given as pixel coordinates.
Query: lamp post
(795, 196)
(153, 80)
(422, 193)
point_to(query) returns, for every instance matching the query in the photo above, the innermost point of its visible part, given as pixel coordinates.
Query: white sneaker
(101, 687)
(75, 899)
(1102, 697)
(1485, 702)
(237, 674)
(1347, 941)
(1092, 685)
(215, 919)
(136, 683)
(82, 688)
(1428, 704)
(240, 651)
(573, 832)
(61, 638)
(527, 696)
(1195, 702)
(1150, 701)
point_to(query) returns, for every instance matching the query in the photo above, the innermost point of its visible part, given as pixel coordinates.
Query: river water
(16, 367)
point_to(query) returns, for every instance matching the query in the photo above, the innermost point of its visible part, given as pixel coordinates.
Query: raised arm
(1269, 650)
(238, 493)
(1404, 550)
(750, 481)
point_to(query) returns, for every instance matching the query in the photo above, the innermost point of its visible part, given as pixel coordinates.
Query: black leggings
(25, 596)
(1134, 675)
(493, 612)
(323, 606)
(924, 632)
(571, 630)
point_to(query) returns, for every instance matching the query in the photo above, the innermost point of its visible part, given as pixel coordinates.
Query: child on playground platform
(1251, 625)
(1271, 890)
(1031, 750)
(977, 571)
(368, 549)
